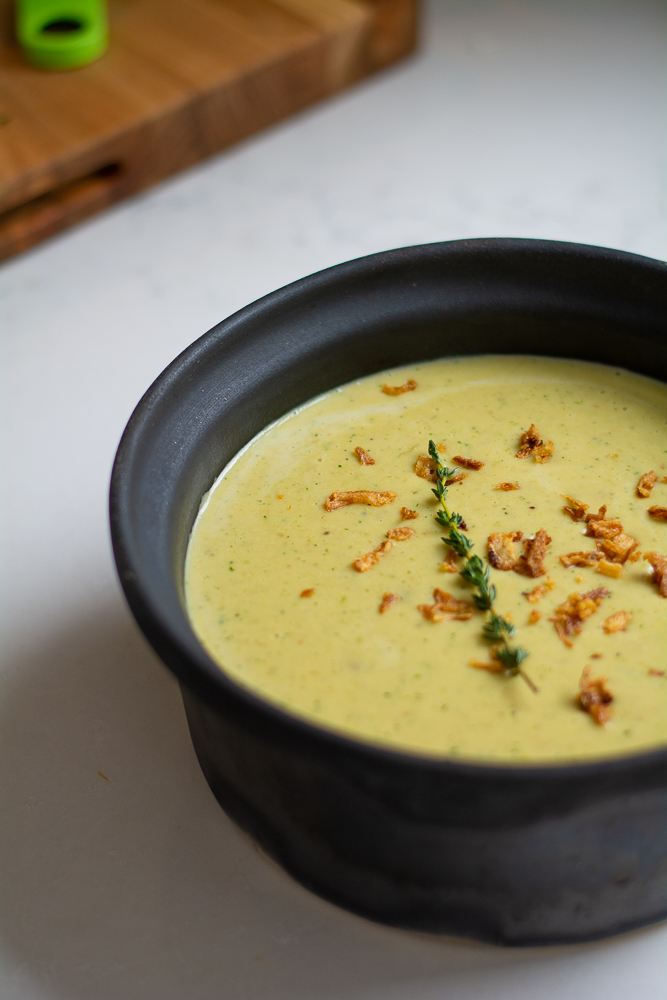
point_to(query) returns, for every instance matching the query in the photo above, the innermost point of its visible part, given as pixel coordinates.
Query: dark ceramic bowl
(510, 854)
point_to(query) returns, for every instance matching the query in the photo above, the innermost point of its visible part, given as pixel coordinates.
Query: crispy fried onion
(496, 666)
(502, 555)
(458, 477)
(607, 527)
(425, 468)
(363, 456)
(543, 452)
(529, 440)
(575, 508)
(364, 563)
(387, 601)
(534, 616)
(450, 564)
(537, 593)
(594, 696)
(468, 463)
(659, 575)
(534, 550)
(580, 559)
(501, 549)
(396, 390)
(612, 569)
(659, 513)
(407, 514)
(601, 526)
(400, 534)
(343, 498)
(506, 487)
(618, 622)
(617, 550)
(446, 607)
(532, 444)
(646, 484)
(570, 615)
(307, 593)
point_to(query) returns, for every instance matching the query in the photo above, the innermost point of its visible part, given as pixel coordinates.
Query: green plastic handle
(62, 34)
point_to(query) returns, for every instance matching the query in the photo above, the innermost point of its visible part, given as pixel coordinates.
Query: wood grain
(182, 79)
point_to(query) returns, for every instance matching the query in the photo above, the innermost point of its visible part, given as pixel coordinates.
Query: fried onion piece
(343, 498)
(363, 456)
(618, 622)
(570, 615)
(529, 440)
(576, 509)
(646, 484)
(387, 601)
(594, 696)
(659, 513)
(580, 559)
(446, 607)
(506, 487)
(425, 468)
(659, 576)
(307, 593)
(501, 549)
(544, 451)
(534, 550)
(534, 616)
(364, 563)
(450, 563)
(407, 514)
(612, 569)
(618, 549)
(532, 444)
(396, 390)
(537, 593)
(494, 667)
(607, 528)
(652, 672)
(468, 463)
(400, 534)
(458, 477)
(601, 526)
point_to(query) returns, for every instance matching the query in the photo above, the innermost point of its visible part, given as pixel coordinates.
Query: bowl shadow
(122, 875)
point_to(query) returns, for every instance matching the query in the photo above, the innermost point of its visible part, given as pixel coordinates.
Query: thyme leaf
(497, 630)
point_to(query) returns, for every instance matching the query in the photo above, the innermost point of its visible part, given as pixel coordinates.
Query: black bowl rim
(210, 679)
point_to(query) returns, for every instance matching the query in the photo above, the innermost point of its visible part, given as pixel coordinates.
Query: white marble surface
(540, 118)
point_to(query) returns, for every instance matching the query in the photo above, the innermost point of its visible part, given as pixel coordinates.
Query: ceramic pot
(510, 854)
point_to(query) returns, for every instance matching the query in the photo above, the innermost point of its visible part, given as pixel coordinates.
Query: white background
(541, 118)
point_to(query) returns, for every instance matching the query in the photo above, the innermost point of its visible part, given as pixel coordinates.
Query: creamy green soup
(274, 595)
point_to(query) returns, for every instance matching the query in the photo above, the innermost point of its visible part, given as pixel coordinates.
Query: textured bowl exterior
(509, 854)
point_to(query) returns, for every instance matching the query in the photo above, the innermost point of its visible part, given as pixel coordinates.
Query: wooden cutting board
(182, 79)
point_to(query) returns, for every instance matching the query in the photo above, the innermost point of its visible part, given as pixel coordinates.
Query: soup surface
(280, 595)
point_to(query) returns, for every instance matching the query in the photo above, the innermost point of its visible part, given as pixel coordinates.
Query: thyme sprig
(497, 630)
